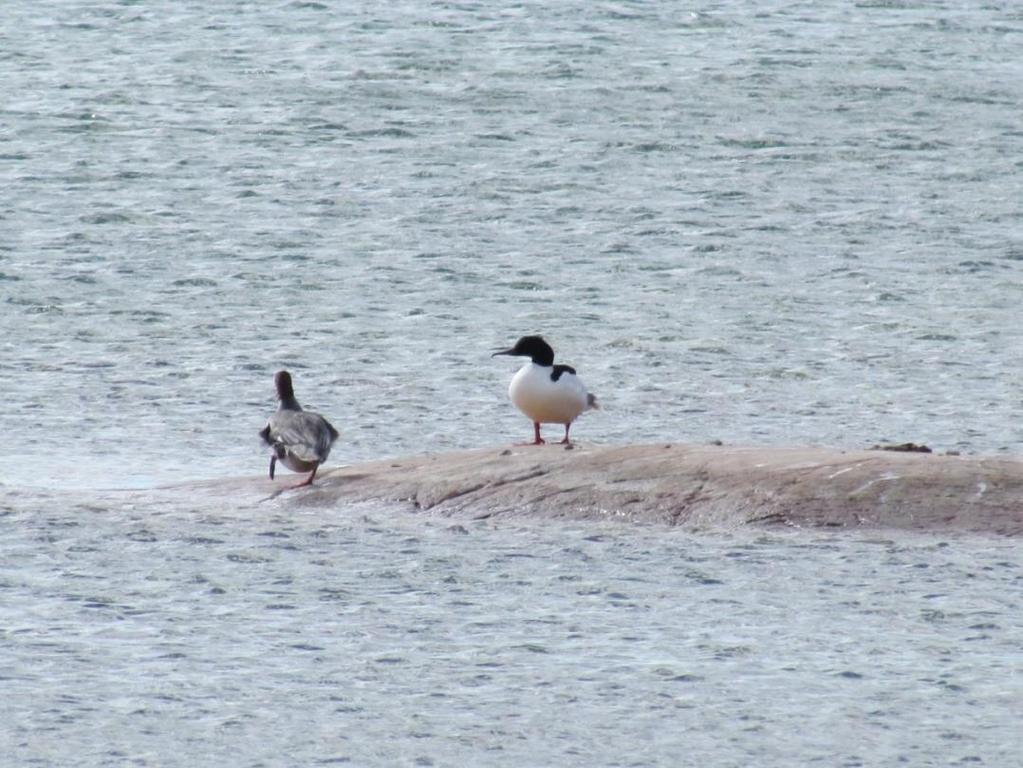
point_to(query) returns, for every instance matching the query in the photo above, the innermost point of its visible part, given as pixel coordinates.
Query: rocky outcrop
(695, 486)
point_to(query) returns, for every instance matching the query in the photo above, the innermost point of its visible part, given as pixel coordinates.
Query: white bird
(545, 392)
(301, 440)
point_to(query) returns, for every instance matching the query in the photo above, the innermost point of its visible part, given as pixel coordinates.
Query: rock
(904, 447)
(694, 486)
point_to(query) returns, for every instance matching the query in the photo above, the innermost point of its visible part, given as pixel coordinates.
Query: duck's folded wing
(306, 436)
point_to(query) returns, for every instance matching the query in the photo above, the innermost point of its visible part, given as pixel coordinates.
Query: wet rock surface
(694, 486)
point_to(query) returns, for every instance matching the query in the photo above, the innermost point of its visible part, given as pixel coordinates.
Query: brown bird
(301, 440)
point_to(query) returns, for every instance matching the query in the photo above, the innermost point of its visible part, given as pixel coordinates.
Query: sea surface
(156, 632)
(773, 223)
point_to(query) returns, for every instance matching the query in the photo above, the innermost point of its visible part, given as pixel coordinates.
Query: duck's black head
(285, 392)
(533, 347)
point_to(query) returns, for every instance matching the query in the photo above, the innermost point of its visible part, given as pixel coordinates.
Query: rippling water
(795, 224)
(269, 635)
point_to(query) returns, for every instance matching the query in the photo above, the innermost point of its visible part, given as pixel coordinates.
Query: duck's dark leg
(308, 480)
(273, 464)
(537, 440)
(566, 441)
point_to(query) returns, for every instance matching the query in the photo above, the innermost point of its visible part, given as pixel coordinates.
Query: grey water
(153, 632)
(773, 223)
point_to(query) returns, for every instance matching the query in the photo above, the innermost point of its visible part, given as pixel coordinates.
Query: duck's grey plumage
(302, 435)
(301, 440)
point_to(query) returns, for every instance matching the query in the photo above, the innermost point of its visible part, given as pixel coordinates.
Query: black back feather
(560, 369)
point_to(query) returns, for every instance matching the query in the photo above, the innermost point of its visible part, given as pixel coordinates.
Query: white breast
(545, 401)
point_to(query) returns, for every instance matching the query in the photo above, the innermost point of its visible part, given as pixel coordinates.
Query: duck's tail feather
(591, 402)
